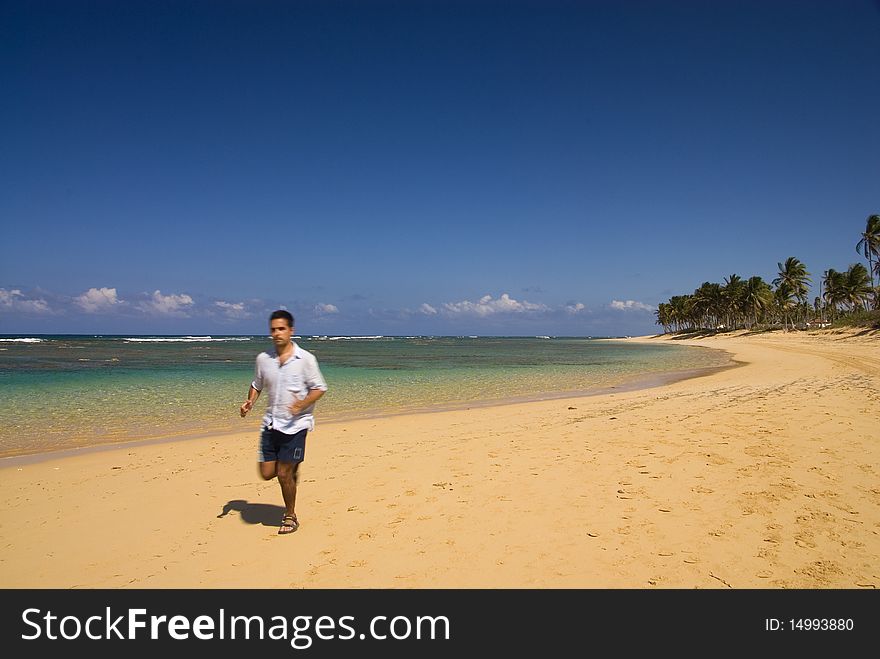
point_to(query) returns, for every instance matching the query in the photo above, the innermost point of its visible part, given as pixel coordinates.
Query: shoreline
(643, 381)
(760, 476)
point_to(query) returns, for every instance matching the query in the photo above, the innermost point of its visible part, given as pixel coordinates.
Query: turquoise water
(62, 392)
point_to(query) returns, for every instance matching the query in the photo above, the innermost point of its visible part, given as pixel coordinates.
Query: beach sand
(760, 476)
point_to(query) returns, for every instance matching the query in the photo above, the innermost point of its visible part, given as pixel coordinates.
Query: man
(293, 382)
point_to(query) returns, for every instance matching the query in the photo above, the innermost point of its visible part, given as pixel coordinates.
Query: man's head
(281, 327)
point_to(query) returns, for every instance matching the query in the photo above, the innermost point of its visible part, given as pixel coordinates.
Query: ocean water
(62, 392)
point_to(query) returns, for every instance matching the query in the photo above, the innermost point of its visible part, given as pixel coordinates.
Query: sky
(478, 168)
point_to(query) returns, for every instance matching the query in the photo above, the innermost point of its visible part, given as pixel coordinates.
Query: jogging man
(293, 383)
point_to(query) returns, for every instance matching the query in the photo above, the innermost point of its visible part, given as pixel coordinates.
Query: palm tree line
(739, 303)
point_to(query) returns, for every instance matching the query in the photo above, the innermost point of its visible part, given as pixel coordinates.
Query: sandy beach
(766, 475)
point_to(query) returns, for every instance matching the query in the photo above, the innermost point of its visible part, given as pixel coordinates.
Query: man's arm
(299, 405)
(254, 391)
(246, 407)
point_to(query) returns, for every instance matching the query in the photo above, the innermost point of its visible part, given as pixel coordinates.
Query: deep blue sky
(381, 168)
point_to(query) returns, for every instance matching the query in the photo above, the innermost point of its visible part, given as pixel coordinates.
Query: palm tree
(869, 245)
(681, 310)
(782, 298)
(664, 316)
(731, 293)
(856, 286)
(834, 285)
(757, 296)
(795, 277)
(707, 305)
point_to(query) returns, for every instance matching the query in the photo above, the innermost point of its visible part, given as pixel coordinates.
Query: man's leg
(268, 454)
(288, 476)
(289, 451)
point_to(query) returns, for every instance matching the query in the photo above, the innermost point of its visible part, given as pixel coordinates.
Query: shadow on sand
(254, 513)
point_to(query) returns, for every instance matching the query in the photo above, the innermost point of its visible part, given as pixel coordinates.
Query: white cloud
(98, 299)
(169, 305)
(631, 305)
(323, 309)
(35, 306)
(575, 308)
(486, 306)
(8, 298)
(15, 300)
(232, 309)
(427, 309)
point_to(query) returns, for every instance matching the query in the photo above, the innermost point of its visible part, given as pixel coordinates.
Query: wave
(347, 338)
(22, 340)
(183, 339)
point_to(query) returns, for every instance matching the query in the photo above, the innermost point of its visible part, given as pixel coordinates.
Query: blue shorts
(278, 446)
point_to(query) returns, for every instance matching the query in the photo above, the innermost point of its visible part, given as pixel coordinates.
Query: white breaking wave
(346, 338)
(22, 340)
(183, 339)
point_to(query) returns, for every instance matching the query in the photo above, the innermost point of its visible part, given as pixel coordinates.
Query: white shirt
(285, 383)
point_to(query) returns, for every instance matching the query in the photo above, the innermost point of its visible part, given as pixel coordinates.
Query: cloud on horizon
(97, 300)
(107, 309)
(631, 305)
(323, 309)
(487, 305)
(233, 310)
(15, 300)
(167, 305)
